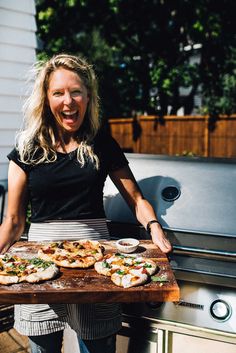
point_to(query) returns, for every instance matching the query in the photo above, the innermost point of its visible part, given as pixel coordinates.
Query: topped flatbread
(126, 270)
(15, 269)
(72, 254)
(127, 278)
(112, 262)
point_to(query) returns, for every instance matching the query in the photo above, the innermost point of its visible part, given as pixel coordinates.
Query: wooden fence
(177, 135)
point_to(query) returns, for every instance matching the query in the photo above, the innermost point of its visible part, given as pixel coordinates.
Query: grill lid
(196, 195)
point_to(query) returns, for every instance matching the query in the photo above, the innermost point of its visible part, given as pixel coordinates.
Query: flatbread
(109, 264)
(126, 270)
(15, 269)
(129, 278)
(72, 254)
(112, 262)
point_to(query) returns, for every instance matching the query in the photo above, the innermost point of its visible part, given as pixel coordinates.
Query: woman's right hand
(14, 222)
(10, 232)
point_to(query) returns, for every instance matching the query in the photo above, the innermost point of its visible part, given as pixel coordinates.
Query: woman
(59, 166)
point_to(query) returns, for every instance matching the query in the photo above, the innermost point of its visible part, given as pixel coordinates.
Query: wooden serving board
(87, 286)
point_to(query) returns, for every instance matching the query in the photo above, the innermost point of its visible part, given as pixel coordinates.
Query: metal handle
(183, 250)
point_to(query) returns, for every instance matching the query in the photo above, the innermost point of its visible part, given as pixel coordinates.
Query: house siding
(17, 54)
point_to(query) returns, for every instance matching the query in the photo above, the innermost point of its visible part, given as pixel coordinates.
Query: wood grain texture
(87, 286)
(202, 135)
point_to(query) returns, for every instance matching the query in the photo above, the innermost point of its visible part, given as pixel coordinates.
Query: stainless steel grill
(195, 200)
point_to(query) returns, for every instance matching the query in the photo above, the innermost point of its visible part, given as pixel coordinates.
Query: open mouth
(70, 116)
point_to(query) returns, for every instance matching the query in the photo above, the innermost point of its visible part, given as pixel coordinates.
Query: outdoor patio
(12, 342)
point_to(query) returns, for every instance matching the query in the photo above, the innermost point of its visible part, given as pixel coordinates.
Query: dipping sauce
(127, 245)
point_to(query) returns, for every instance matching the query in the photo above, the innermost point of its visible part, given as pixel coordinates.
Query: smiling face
(68, 99)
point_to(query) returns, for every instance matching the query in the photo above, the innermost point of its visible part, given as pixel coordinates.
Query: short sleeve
(112, 153)
(117, 158)
(14, 156)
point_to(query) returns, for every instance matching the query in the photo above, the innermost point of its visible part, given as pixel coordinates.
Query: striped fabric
(93, 229)
(90, 321)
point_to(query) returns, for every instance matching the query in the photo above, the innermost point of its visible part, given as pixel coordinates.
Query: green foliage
(225, 103)
(186, 154)
(138, 50)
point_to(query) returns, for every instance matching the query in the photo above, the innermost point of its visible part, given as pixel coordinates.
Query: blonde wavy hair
(36, 141)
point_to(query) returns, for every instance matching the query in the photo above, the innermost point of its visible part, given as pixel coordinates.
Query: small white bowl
(127, 245)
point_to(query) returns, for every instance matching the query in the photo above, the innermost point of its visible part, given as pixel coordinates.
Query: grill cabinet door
(139, 338)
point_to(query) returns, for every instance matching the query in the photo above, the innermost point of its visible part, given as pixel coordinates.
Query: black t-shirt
(63, 190)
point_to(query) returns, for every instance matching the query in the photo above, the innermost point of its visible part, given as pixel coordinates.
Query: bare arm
(14, 222)
(129, 189)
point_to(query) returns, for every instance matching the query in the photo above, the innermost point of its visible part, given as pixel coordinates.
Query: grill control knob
(220, 310)
(170, 193)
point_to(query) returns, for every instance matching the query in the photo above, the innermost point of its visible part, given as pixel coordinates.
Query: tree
(142, 50)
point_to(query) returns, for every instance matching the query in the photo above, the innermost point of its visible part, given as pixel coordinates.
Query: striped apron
(90, 321)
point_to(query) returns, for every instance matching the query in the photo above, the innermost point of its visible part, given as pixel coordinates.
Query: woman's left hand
(159, 238)
(143, 210)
